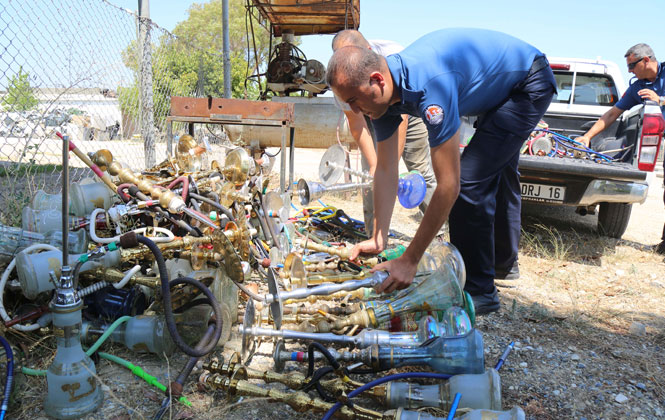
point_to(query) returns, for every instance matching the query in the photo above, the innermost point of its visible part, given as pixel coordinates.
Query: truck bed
(551, 167)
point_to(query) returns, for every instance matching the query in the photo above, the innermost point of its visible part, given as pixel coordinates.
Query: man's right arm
(363, 138)
(603, 122)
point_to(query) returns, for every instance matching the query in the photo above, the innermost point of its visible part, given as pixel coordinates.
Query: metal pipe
(65, 199)
(327, 289)
(226, 48)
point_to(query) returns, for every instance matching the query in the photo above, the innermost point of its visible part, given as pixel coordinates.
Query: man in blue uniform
(414, 147)
(650, 85)
(444, 75)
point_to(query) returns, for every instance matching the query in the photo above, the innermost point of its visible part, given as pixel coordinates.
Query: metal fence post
(147, 116)
(227, 48)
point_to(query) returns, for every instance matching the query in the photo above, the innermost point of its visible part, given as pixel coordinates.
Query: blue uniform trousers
(485, 219)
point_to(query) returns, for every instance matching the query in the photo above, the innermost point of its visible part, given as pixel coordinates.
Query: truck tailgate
(619, 171)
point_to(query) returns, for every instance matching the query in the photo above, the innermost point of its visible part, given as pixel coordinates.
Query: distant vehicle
(586, 90)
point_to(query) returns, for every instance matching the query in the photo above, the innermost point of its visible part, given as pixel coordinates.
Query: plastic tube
(185, 185)
(389, 378)
(128, 276)
(453, 407)
(3, 283)
(161, 239)
(215, 204)
(138, 371)
(10, 376)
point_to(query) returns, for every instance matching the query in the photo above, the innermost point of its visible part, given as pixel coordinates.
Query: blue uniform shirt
(454, 72)
(631, 98)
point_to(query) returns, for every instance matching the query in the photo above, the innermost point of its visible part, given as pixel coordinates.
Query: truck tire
(613, 219)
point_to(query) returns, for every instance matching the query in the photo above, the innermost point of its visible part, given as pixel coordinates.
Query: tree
(20, 95)
(191, 62)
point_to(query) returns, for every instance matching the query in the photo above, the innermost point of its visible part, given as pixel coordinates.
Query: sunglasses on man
(632, 65)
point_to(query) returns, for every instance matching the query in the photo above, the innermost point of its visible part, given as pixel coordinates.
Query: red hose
(185, 185)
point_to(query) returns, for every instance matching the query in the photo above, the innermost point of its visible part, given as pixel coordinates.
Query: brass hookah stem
(343, 253)
(293, 380)
(299, 401)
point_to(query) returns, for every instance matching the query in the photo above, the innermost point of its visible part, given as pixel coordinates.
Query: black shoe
(486, 303)
(660, 248)
(512, 273)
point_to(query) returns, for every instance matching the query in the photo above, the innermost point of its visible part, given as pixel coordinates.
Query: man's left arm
(651, 95)
(446, 165)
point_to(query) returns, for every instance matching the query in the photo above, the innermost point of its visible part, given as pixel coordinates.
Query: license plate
(542, 192)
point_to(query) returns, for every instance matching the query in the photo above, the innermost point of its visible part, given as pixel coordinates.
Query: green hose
(136, 370)
(90, 351)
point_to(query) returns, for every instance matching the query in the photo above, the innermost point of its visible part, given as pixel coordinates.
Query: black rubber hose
(215, 204)
(166, 301)
(195, 204)
(324, 351)
(265, 227)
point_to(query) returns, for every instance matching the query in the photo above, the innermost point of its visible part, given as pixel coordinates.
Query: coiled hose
(166, 301)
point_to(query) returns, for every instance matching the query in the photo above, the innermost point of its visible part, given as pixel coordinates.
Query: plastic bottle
(451, 355)
(14, 239)
(144, 333)
(479, 391)
(515, 413)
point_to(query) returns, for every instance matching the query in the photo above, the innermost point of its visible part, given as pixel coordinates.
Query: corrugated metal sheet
(307, 17)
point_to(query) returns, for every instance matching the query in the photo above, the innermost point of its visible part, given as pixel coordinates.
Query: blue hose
(10, 376)
(389, 378)
(453, 407)
(576, 143)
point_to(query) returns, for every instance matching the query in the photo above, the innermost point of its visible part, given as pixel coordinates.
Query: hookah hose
(168, 312)
(213, 203)
(320, 373)
(389, 378)
(10, 376)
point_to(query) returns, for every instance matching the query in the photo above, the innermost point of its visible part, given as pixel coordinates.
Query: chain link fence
(84, 68)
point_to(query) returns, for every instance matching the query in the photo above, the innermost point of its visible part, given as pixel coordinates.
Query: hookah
(429, 328)
(72, 387)
(238, 384)
(411, 187)
(479, 391)
(456, 323)
(437, 292)
(299, 401)
(167, 199)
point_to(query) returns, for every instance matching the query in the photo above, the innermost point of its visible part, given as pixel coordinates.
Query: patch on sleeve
(434, 114)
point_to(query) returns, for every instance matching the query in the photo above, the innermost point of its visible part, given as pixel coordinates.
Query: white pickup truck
(586, 90)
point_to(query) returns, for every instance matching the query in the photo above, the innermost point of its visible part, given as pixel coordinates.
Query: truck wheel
(613, 219)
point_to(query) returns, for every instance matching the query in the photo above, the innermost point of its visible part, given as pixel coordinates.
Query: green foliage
(191, 64)
(20, 95)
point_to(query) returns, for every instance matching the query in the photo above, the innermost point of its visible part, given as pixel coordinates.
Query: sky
(602, 29)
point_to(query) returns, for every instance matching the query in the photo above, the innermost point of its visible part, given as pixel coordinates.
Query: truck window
(590, 89)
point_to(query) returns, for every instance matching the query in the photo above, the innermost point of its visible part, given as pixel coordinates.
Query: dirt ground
(587, 318)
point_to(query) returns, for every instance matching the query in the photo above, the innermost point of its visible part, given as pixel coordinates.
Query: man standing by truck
(414, 149)
(650, 85)
(440, 77)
